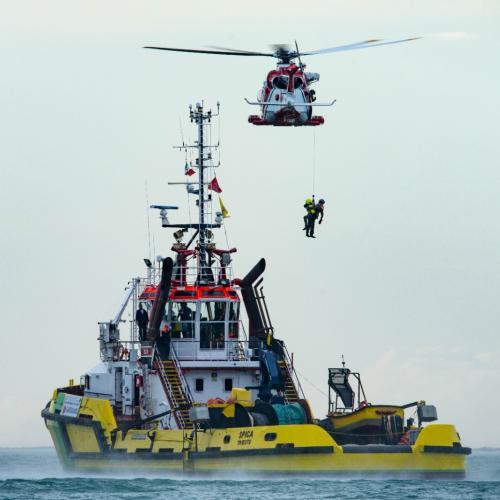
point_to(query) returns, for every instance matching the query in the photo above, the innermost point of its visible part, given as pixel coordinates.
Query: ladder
(180, 398)
(290, 391)
(176, 389)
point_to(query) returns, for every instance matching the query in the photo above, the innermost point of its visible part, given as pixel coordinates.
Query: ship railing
(190, 275)
(185, 386)
(158, 366)
(293, 373)
(212, 349)
(120, 349)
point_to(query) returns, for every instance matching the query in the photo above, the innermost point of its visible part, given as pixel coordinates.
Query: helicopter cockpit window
(280, 82)
(212, 325)
(234, 315)
(297, 82)
(182, 317)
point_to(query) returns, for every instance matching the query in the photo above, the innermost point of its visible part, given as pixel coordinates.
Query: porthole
(270, 436)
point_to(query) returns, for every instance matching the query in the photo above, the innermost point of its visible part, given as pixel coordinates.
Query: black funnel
(255, 324)
(160, 299)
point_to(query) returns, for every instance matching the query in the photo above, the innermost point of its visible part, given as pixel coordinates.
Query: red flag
(214, 185)
(188, 170)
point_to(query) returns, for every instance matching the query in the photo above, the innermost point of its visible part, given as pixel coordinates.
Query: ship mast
(201, 117)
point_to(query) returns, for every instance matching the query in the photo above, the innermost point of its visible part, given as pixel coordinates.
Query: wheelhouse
(203, 322)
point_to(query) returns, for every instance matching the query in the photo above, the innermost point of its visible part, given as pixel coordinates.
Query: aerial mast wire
(148, 218)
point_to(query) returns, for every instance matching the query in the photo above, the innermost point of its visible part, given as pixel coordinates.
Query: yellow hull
(90, 441)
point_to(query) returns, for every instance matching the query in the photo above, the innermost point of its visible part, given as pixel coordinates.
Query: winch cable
(314, 165)
(310, 383)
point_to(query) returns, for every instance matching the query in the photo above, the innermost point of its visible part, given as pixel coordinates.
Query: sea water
(35, 473)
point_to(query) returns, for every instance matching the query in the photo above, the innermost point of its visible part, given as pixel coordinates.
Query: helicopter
(286, 98)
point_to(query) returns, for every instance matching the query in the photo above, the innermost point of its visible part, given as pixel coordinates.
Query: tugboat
(194, 388)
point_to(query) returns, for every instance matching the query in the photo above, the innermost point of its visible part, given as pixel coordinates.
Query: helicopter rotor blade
(240, 51)
(359, 45)
(220, 52)
(302, 66)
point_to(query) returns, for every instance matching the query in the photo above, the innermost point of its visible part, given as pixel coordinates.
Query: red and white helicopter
(286, 98)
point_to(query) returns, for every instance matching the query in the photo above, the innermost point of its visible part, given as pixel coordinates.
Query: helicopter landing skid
(312, 122)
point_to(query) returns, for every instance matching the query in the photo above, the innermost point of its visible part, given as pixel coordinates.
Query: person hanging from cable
(310, 213)
(314, 210)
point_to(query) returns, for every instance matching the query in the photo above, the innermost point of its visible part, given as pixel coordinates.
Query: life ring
(122, 353)
(215, 401)
(405, 438)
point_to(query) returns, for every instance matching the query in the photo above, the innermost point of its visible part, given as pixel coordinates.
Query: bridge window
(185, 293)
(198, 385)
(228, 384)
(146, 305)
(234, 315)
(182, 317)
(213, 293)
(212, 322)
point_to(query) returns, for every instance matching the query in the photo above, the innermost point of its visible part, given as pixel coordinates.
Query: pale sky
(404, 277)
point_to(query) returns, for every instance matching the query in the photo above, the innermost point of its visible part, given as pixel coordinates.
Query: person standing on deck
(142, 320)
(186, 318)
(163, 342)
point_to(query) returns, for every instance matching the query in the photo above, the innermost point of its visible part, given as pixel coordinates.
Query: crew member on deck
(163, 342)
(186, 318)
(142, 320)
